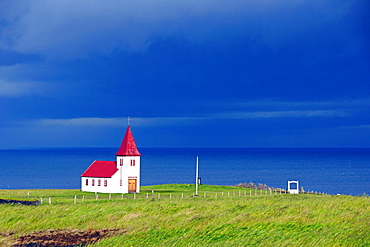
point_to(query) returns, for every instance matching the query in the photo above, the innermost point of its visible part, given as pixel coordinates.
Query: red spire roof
(128, 145)
(101, 169)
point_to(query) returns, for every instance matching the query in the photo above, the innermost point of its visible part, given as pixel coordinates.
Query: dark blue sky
(238, 73)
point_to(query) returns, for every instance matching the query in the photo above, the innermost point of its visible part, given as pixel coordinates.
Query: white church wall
(130, 170)
(103, 185)
(95, 184)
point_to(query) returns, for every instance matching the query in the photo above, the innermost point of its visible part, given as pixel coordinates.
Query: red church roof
(128, 145)
(101, 169)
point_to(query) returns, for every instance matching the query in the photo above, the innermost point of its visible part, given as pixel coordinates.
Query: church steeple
(128, 146)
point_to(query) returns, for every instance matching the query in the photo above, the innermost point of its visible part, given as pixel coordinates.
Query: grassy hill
(172, 216)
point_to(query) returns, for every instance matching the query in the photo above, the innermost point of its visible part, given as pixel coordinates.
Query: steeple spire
(128, 146)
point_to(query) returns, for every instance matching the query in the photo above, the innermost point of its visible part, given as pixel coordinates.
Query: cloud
(73, 29)
(112, 122)
(115, 122)
(281, 104)
(28, 79)
(286, 114)
(189, 120)
(355, 127)
(272, 108)
(18, 89)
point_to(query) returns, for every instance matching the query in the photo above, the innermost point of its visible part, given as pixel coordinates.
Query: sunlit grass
(172, 216)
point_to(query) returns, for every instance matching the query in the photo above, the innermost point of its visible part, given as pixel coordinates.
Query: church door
(132, 185)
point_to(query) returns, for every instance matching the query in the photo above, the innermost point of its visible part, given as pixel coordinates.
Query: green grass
(176, 218)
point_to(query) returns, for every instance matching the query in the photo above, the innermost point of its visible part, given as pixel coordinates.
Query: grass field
(172, 216)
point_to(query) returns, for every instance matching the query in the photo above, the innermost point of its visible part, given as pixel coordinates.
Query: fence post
(182, 195)
(75, 200)
(228, 193)
(28, 194)
(170, 196)
(147, 195)
(205, 194)
(49, 200)
(83, 199)
(134, 195)
(110, 196)
(41, 200)
(159, 195)
(96, 196)
(216, 195)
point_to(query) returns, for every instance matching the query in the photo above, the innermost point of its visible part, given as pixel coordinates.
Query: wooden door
(132, 185)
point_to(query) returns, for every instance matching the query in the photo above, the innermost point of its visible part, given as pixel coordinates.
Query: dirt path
(64, 237)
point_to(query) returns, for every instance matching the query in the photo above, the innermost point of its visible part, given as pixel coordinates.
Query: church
(120, 176)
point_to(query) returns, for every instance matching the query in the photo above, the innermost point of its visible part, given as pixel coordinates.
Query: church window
(99, 182)
(120, 182)
(105, 183)
(132, 163)
(93, 182)
(87, 182)
(121, 162)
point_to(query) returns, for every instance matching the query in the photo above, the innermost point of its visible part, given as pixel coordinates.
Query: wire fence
(158, 195)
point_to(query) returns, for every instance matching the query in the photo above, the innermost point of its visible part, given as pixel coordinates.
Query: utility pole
(196, 178)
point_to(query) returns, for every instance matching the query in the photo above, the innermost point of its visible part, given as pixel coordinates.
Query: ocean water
(328, 170)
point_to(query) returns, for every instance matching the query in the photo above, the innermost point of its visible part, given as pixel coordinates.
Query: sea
(325, 170)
